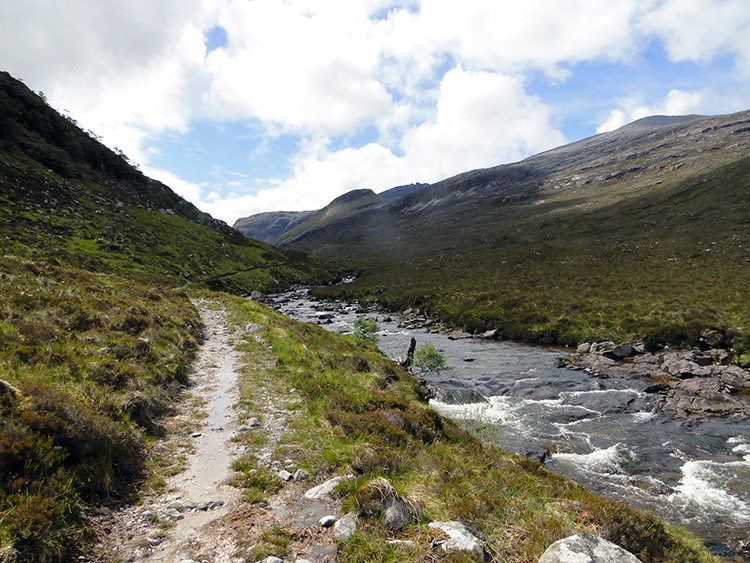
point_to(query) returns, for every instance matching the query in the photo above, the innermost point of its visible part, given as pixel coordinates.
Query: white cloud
(676, 102)
(482, 119)
(440, 87)
(701, 30)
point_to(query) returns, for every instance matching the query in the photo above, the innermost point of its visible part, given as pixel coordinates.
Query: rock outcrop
(689, 382)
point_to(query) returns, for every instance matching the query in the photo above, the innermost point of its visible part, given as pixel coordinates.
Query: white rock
(327, 521)
(322, 491)
(461, 539)
(284, 475)
(345, 527)
(586, 548)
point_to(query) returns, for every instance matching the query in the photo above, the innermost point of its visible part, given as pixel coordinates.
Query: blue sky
(244, 106)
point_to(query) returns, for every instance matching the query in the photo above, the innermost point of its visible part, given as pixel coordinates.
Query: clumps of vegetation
(366, 328)
(90, 364)
(362, 414)
(428, 358)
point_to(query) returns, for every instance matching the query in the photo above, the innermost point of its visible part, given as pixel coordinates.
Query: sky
(245, 106)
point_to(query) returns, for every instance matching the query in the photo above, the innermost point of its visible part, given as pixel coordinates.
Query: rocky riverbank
(689, 383)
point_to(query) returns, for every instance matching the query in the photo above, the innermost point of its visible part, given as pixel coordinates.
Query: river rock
(683, 368)
(624, 350)
(461, 538)
(345, 526)
(584, 348)
(712, 338)
(396, 516)
(489, 334)
(586, 548)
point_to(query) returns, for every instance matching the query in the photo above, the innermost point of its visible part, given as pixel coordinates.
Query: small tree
(428, 358)
(366, 329)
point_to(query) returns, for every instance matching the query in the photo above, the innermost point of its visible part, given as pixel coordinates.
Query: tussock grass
(362, 414)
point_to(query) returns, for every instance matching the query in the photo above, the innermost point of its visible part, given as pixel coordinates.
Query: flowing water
(604, 433)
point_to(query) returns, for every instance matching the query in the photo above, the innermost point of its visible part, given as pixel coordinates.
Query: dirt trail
(200, 515)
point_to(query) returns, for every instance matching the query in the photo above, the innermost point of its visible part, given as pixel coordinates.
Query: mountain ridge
(622, 219)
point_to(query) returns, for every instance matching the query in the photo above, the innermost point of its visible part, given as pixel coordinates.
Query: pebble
(196, 434)
(327, 521)
(284, 475)
(301, 474)
(174, 514)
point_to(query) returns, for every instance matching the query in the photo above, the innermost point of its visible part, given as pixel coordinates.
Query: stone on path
(345, 526)
(322, 491)
(327, 521)
(586, 548)
(461, 539)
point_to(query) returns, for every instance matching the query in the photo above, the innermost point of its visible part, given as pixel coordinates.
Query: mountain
(267, 226)
(638, 233)
(272, 226)
(69, 199)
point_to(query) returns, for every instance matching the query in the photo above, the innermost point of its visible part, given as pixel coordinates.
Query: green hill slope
(639, 233)
(96, 332)
(66, 197)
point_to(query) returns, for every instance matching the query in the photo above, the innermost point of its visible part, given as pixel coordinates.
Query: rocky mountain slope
(272, 226)
(621, 235)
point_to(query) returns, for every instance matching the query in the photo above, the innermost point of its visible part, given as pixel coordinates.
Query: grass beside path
(362, 414)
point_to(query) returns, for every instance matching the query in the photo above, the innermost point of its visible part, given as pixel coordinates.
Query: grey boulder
(586, 548)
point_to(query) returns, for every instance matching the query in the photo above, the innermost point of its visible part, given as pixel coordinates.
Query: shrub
(428, 358)
(366, 329)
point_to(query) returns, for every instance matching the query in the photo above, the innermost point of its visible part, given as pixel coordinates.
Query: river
(604, 433)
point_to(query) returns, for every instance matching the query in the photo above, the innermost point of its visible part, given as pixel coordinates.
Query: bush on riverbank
(361, 413)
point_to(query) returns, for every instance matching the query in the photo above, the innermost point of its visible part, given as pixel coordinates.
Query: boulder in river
(586, 548)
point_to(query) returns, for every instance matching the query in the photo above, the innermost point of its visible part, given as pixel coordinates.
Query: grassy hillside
(639, 234)
(66, 197)
(95, 334)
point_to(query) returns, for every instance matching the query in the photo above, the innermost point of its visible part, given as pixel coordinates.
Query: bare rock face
(586, 548)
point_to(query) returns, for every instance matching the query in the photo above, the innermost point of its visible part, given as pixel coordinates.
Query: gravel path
(199, 516)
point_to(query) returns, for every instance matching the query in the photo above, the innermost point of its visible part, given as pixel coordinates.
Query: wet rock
(461, 538)
(323, 490)
(683, 368)
(396, 516)
(658, 388)
(490, 334)
(345, 527)
(586, 548)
